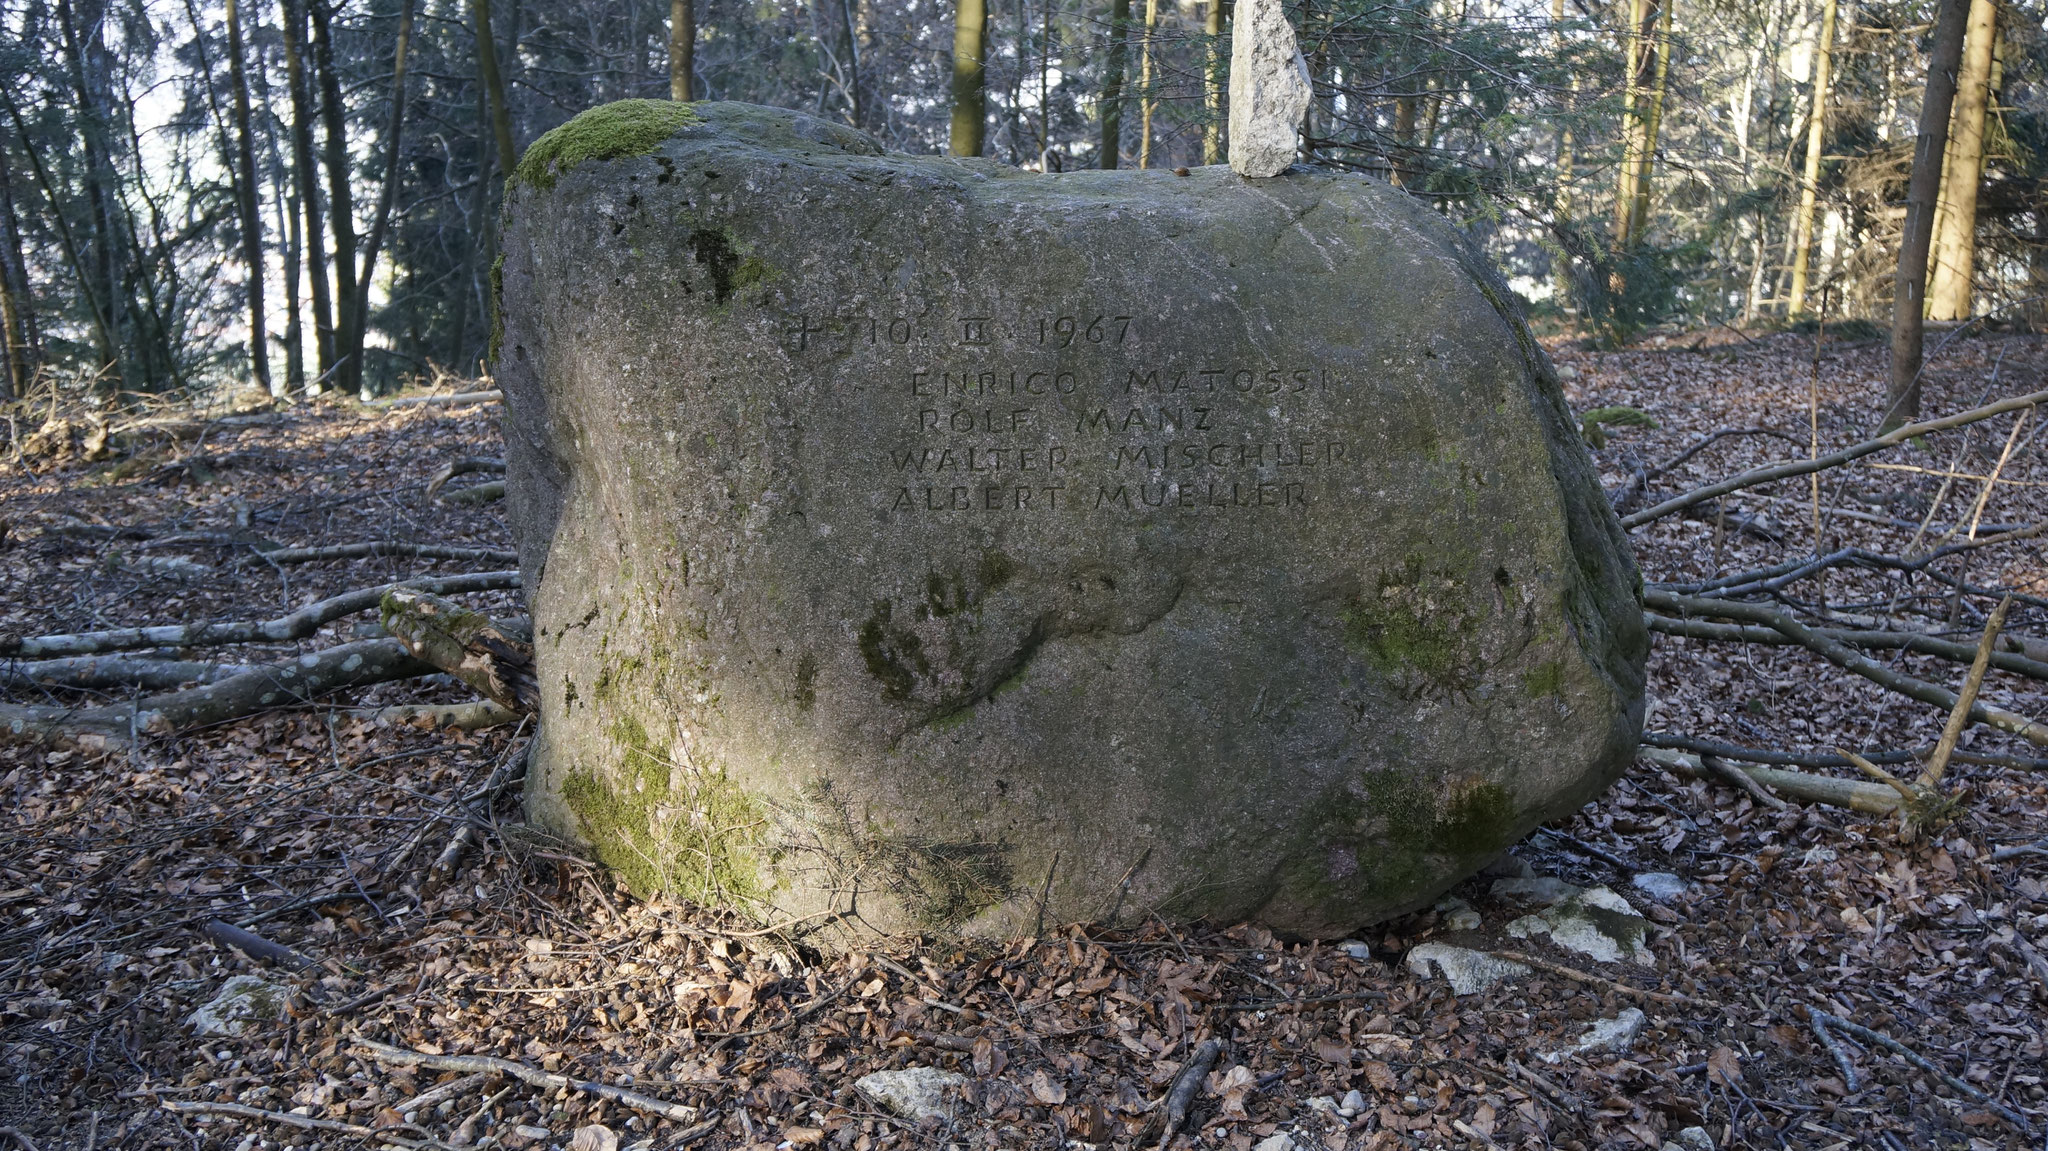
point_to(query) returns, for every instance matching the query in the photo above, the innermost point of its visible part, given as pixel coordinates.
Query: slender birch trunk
(1145, 101)
(1954, 257)
(1212, 86)
(1809, 177)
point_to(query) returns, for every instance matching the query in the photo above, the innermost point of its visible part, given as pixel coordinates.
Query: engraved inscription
(994, 411)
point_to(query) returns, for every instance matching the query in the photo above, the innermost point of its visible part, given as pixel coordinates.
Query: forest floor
(314, 827)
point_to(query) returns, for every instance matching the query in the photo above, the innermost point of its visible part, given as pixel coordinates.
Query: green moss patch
(692, 837)
(1415, 621)
(607, 132)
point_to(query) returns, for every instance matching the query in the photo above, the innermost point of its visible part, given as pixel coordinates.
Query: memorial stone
(922, 544)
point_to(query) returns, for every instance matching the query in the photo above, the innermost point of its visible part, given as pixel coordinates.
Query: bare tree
(1909, 288)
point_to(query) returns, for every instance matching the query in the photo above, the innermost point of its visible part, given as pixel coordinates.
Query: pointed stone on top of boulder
(1269, 89)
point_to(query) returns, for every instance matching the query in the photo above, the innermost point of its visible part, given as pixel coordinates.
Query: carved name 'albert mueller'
(920, 544)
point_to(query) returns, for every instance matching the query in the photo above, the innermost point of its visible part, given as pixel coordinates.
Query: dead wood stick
(2037, 964)
(102, 671)
(1742, 781)
(21, 1137)
(278, 685)
(1836, 1022)
(1913, 641)
(1834, 1050)
(2038, 847)
(1185, 1084)
(376, 548)
(1792, 468)
(1600, 981)
(461, 468)
(1840, 654)
(474, 715)
(296, 625)
(302, 1122)
(1959, 716)
(1871, 798)
(455, 400)
(1673, 740)
(399, 1056)
(255, 946)
(480, 494)
(448, 1090)
(466, 644)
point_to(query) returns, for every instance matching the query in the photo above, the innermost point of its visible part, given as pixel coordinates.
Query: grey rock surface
(1536, 889)
(1618, 1034)
(1468, 972)
(915, 1093)
(895, 526)
(1594, 922)
(1662, 886)
(241, 1001)
(1269, 89)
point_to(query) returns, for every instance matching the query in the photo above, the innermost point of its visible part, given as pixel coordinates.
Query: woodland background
(303, 194)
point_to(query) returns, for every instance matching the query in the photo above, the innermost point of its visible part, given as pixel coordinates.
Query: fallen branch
(459, 398)
(466, 644)
(448, 1090)
(1824, 1021)
(255, 946)
(475, 715)
(1678, 742)
(299, 681)
(1791, 468)
(462, 468)
(100, 672)
(1875, 799)
(1959, 716)
(389, 548)
(297, 625)
(480, 494)
(2038, 847)
(1741, 780)
(1913, 641)
(1847, 658)
(400, 1057)
(1185, 1084)
(1600, 981)
(302, 1122)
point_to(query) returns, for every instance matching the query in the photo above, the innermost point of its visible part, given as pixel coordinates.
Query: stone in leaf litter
(1661, 886)
(242, 1000)
(1594, 922)
(1269, 89)
(1468, 972)
(1618, 1034)
(915, 1093)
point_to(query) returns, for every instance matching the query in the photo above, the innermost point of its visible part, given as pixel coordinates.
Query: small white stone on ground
(914, 1092)
(1661, 886)
(1544, 889)
(595, 1137)
(527, 1131)
(1353, 1101)
(1691, 1139)
(1595, 922)
(1355, 948)
(1617, 1034)
(1468, 972)
(1277, 1141)
(1269, 89)
(241, 1001)
(1457, 914)
(1324, 1104)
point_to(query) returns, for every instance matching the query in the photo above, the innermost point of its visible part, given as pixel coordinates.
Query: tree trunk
(1212, 87)
(1809, 180)
(1561, 204)
(341, 208)
(252, 220)
(1145, 101)
(970, 77)
(682, 47)
(1954, 256)
(1643, 110)
(494, 80)
(1653, 124)
(856, 111)
(1902, 398)
(306, 179)
(394, 137)
(16, 312)
(97, 258)
(1632, 97)
(1109, 152)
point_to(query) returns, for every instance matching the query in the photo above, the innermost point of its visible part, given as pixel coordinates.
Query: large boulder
(922, 544)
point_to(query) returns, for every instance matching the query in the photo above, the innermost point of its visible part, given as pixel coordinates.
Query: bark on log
(466, 644)
(377, 548)
(99, 671)
(1873, 798)
(297, 625)
(280, 685)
